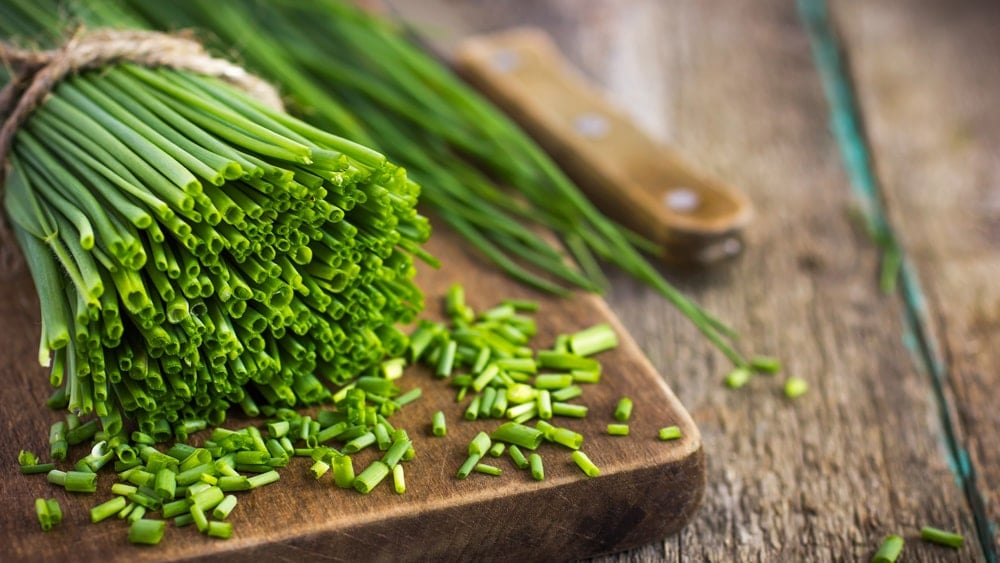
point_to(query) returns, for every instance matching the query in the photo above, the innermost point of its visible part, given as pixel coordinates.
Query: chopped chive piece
(522, 365)
(398, 479)
(480, 444)
(343, 471)
(519, 460)
(184, 520)
(553, 381)
(397, 451)
(222, 530)
(319, 469)
(567, 393)
(486, 400)
(148, 532)
(520, 393)
(382, 437)
(543, 402)
(483, 379)
(669, 433)
(278, 428)
(468, 465)
(107, 509)
(583, 376)
(408, 397)
(360, 443)
(371, 477)
(34, 469)
(738, 377)
(199, 517)
(176, 507)
(567, 437)
(137, 512)
(55, 512)
(522, 305)
(765, 364)
(942, 537)
(472, 411)
(584, 463)
(487, 469)
(262, 479)
(165, 483)
(74, 481)
(48, 512)
(889, 551)
(618, 429)
(222, 510)
(518, 434)
(590, 341)
(124, 513)
(566, 361)
(569, 409)
(795, 387)
(438, 426)
(537, 471)
(497, 449)
(447, 361)
(623, 410)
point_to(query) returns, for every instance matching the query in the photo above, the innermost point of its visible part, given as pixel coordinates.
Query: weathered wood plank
(928, 77)
(862, 455)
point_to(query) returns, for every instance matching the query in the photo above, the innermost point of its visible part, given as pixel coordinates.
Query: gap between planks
(831, 58)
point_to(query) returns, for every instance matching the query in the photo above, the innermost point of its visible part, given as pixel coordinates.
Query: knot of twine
(37, 73)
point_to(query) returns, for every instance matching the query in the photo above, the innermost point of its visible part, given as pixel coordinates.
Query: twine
(37, 73)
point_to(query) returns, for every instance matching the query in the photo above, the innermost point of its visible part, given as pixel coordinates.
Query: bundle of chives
(193, 248)
(356, 74)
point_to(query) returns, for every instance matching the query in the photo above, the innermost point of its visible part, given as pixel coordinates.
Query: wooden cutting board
(648, 489)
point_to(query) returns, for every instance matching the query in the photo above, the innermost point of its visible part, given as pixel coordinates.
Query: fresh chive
(765, 364)
(618, 429)
(889, 551)
(480, 444)
(738, 377)
(942, 537)
(398, 479)
(487, 469)
(148, 532)
(669, 433)
(593, 340)
(515, 454)
(371, 477)
(535, 463)
(222, 530)
(795, 387)
(623, 410)
(585, 465)
(438, 425)
(518, 434)
(469, 464)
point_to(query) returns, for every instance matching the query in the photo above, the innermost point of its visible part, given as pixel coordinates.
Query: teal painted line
(848, 130)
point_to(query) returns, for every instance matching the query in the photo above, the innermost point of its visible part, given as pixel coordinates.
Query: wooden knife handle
(641, 183)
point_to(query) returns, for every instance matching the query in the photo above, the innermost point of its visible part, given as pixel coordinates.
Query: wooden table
(899, 429)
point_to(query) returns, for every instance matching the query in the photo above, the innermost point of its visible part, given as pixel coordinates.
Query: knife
(645, 185)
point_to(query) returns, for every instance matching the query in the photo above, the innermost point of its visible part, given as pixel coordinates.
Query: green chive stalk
(194, 249)
(352, 72)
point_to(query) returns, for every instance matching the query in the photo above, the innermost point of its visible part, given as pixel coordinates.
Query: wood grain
(734, 86)
(648, 489)
(928, 76)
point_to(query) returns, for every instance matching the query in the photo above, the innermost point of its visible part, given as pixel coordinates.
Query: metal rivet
(591, 125)
(726, 248)
(505, 61)
(683, 200)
